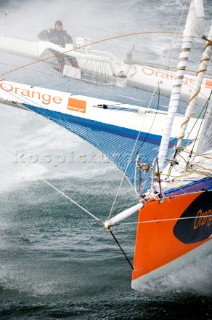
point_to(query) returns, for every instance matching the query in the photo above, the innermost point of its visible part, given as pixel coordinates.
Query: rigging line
(92, 43)
(203, 155)
(201, 166)
(201, 171)
(155, 114)
(165, 220)
(121, 249)
(73, 201)
(202, 111)
(59, 191)
(128, 163)
(189, 174)
(177, 27)
(200, 127)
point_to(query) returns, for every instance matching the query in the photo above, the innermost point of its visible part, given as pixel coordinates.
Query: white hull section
(142, 119)
(104, 64)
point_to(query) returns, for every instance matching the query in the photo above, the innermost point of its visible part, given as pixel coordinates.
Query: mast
(199, 78)
(194, 26)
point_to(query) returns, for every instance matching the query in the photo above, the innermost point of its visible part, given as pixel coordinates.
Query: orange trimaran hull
(159, 243)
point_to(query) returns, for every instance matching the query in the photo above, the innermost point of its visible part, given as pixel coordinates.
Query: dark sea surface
(56, 261)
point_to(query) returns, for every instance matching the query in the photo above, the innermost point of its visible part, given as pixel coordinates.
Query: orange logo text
(77, 105)
(203, 218)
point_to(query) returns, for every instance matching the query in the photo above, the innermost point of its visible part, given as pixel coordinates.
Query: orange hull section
(158, 243)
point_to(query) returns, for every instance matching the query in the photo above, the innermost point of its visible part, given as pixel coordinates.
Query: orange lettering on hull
(43, 98)
(208, 84)
(148, 71)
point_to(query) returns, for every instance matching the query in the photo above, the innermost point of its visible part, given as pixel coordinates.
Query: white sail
(205, 141)
(200, 75)
(194, 19)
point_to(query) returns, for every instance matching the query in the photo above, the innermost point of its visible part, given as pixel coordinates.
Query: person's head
(58, 25)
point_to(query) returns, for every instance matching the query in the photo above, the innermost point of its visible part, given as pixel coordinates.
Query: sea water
(56, 261)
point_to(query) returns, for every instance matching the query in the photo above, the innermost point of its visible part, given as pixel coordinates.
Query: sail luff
(199, 79)
(188, 35)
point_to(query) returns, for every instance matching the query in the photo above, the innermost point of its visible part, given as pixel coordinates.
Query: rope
(189, 173)
(59, 191)
(70, 199)
(165, 220)
(191, 152)
(200, 127)
(79, 206)
(198, 154)
(156, 113)
(121, 249)
(84, 46)
(202, 111)
(130, 157)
